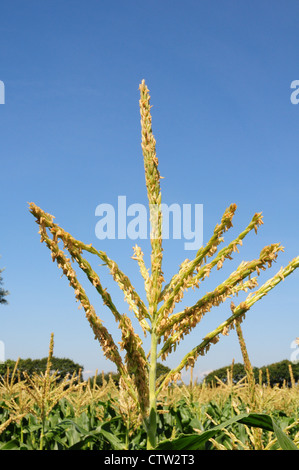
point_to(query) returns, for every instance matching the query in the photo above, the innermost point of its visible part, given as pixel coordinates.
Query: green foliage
(278, 373)
(3, 292)
(63, 366)
(162, 370)
(179, 427)
(197, 442)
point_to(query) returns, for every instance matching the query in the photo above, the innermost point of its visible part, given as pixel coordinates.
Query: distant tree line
(277, 373)
(63, 366)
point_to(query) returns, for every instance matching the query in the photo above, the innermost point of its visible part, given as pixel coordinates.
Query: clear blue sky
(219, 74)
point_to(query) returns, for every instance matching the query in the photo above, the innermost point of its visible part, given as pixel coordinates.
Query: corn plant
(156, 315)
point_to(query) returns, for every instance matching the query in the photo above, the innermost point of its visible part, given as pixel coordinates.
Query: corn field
(42, 412)
(147, 412)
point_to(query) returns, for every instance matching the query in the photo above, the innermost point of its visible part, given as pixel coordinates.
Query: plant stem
(41, 442)
(152, 423)
(248, 366)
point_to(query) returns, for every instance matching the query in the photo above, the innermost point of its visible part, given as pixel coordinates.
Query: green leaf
(257, 420)
(116, 443)
(195, 441)
(92, 436)
(13, 444)
(82, 443)
(284, 441)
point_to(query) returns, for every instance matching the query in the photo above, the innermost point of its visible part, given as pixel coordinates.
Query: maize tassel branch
(156, 316)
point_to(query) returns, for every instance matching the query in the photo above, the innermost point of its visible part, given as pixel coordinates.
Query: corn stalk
(156, 316)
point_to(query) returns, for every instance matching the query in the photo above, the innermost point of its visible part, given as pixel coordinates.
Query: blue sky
(219, 75)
